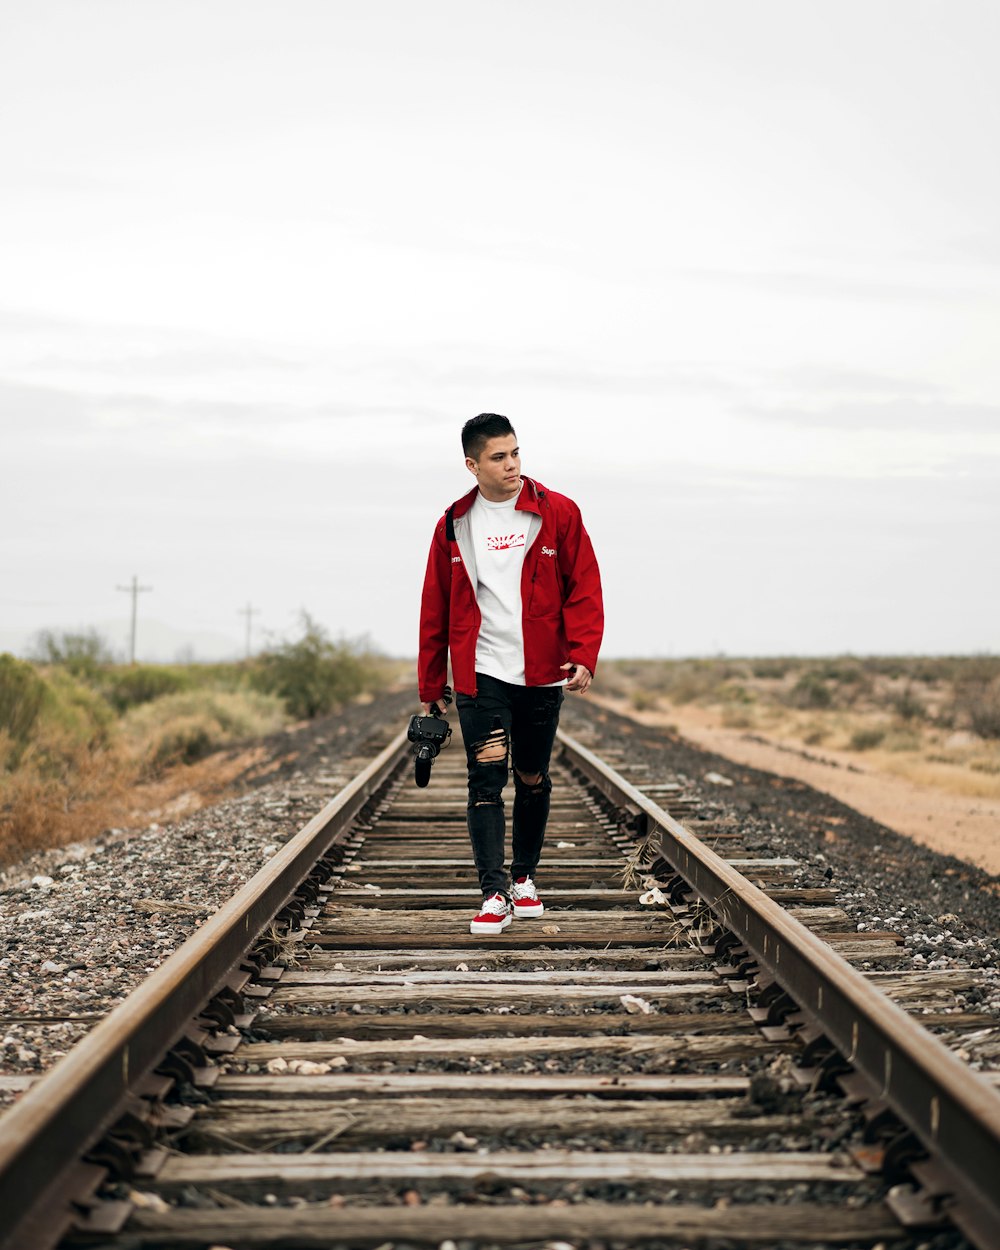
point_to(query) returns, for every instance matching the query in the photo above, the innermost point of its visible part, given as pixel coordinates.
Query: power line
(135, 590)
(249, 612)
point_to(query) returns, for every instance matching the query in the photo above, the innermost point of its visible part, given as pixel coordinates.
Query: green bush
(773, 668)
(22, 694)
(78, 710)
(842, 668)
(810, 691)
(735, 692)
(52, 721)
(866, 739)
(981, 705)
(128, 687)
(83, 654)
(315, 675)
(907, 706)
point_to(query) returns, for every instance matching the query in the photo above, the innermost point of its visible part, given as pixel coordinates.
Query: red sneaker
(494, 916)
(525, 896)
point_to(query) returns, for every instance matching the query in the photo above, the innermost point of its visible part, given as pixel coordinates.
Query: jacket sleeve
(583, 603)
(432, 658)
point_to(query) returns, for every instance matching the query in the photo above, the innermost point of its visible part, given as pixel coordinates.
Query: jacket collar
(529, 500)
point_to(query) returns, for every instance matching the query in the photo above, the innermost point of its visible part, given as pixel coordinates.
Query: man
(513, 589)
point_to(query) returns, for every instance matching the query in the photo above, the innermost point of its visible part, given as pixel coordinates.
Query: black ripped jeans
(504, 725)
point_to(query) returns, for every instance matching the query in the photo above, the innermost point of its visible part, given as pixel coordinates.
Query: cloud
(178, 363)
(578, 376)
(814, 284)
(52, 424)
(826, 380)
(898, 414)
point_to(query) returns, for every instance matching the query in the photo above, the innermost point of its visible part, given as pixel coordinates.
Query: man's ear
(472, 466)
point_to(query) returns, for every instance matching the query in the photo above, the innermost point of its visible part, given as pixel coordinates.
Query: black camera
(428, 735)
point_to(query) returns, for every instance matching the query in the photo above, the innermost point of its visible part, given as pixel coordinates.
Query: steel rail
(69, 1109)
(953, 1111)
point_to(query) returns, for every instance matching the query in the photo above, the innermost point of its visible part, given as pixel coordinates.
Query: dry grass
(41, 811)
(182, 728)
(69, 773)
(933, 720)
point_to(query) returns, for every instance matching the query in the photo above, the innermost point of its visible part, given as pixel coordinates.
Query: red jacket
(562, 613)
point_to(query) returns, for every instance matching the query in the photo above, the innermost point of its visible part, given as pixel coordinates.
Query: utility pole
(249, 612)
(135, 590)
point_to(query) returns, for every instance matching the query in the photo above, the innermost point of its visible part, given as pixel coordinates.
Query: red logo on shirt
(504, 542)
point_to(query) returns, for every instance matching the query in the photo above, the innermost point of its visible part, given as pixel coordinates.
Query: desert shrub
(22, 694)
(183, 742)
(738, 715)
(901, 740)
(129, 687)
(691, 680)
(50, 724)
(614, 681)
(810, 691)
(222, 675)
(314, 674)
(184, 727)
(843, 669)
(736, 692)
(907, 706)
(61, 766)
(76, 710)
(770, 668)
(981, 706)
(893, 666)
(83, 654)
(644, 700)
(866, 739)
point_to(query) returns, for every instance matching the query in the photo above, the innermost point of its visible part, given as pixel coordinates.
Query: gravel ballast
(947, 911)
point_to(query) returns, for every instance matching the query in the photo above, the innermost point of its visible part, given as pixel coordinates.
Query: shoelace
(495, 906)
(524, 889)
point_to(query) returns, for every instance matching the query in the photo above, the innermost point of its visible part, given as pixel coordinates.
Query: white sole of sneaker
(529, 910)
(490, 926)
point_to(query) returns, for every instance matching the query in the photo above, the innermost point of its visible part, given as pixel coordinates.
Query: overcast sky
(730, 268)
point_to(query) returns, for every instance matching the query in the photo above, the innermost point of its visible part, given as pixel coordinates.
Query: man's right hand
(430, 708)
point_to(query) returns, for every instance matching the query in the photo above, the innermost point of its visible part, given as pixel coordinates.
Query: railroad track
(333, 1060)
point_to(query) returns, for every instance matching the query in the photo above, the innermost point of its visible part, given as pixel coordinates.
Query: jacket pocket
(544, 595)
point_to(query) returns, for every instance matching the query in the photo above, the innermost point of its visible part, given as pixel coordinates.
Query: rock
(635, 1005)
(652, 897)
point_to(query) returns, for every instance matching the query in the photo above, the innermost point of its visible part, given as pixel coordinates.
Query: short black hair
(478, 431)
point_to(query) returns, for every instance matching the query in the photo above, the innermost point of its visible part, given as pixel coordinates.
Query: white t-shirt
(499, 533)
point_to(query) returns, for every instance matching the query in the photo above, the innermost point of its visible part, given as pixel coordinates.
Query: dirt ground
(968, 828)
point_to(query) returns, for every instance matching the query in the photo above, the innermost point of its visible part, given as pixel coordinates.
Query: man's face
(498, 469)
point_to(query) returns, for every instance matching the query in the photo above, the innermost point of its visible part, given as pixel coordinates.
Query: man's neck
(501, 498)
